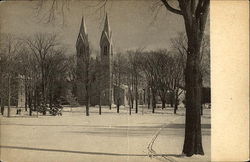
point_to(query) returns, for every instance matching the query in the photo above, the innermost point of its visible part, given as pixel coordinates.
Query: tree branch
(165, 2)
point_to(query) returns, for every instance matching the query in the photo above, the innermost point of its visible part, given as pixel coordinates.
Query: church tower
(82, 56)
(106, 53)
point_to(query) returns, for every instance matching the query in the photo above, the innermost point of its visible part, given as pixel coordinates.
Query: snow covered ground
(110, 137)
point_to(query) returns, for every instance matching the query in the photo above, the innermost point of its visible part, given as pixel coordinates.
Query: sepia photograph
(105, 80)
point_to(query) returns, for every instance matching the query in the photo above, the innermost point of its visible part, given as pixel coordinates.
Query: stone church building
(97, 73)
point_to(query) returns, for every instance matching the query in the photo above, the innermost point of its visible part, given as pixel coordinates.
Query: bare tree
(163, 66)
(25, 68)
(148, 64)
(178, 79)
(56, 67)
(72, 80)
(84, 72)
(9, 71)
(179, 44)
(129, 83)
(194, 13)
(120, 75)
(99, 87)
(41, 46)
(134, 76)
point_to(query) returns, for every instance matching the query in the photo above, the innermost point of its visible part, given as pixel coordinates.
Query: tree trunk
(100, 110)
(148, 98)
(118, 106)
(43, 85)
(50, 102)
(132, 103)
(26, 95)
(153, 102)
(201, 109)
(176, 103)
(129, 109)
(163, 103)
(26, 101)
(100, 105)
(193, 81)
(110, 100)
(9, 96)
(2, 105)
(171, 101)
(30, 104)
(87, 104)
(136, 93)
(35, 100)
(136, 105)
(175, 108)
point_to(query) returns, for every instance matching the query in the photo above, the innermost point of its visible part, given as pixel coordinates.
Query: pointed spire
(83, 26)
(106, 25)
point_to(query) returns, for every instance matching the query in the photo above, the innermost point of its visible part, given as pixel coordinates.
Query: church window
(80, 51)
(105, 50)
(83, 49)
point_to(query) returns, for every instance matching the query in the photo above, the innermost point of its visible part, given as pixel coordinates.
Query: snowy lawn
(110, 137)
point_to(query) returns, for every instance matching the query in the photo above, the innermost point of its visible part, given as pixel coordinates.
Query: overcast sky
(130, 23)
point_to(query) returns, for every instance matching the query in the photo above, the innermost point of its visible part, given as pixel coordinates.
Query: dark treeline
(49, 76)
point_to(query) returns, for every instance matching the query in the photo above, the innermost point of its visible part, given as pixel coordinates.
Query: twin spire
(106, 29)
(106, 32)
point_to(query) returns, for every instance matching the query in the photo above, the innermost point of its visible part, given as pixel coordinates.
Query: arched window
(105, 50)
(81, 51)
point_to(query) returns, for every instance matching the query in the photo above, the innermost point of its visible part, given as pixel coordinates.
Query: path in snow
(107, 137)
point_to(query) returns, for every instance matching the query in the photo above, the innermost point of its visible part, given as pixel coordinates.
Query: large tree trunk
(195, 15)
(193, 80)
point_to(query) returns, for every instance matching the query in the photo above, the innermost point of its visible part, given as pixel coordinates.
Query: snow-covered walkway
(73, 137)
